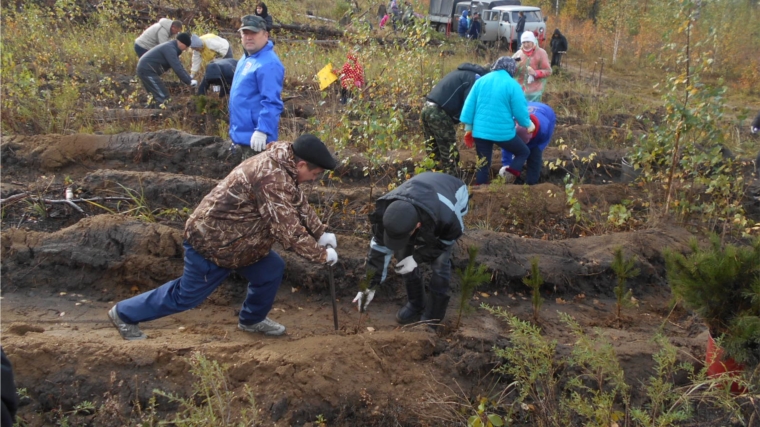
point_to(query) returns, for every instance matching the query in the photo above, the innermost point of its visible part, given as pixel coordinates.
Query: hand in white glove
(363, 298)
(755, 130)
(332, 256)
(531, 71)
(532, 127)
(258, 141)
(193, 83)
(406, 265)
(329, 240)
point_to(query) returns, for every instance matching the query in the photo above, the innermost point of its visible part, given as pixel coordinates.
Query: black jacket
(9, 396)
(162, 57)
(520, 26)
(267, 17)
(219, 71)
(441, 201)
(756, 122)
(452, 90)
(559, 42)
(475, 29)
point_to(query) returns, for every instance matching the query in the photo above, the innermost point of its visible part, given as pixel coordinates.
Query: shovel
(332, 293)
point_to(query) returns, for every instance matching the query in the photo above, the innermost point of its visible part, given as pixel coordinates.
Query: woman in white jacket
(206, 48)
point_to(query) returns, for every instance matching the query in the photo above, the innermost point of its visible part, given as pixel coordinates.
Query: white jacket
(212, 44)
(156, 34)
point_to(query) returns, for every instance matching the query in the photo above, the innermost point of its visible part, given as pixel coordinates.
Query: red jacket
(352, 73)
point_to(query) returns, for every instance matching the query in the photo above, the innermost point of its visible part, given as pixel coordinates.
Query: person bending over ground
(234, 228)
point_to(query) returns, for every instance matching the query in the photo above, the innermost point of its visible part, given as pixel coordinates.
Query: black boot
(435, 309)
(415, 293)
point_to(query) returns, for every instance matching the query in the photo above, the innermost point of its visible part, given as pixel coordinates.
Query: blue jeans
(199, 279)
(534, 164)
(484, 148)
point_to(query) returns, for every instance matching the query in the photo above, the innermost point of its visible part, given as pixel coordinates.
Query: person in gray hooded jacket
(160, 32)
(159, 60)
(418, 222)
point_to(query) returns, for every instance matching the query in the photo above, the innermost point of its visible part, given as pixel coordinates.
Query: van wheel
(441, 28)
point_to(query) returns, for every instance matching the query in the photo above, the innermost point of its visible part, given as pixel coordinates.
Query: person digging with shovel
(418, 222)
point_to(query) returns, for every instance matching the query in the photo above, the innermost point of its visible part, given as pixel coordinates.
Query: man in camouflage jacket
(233, 229)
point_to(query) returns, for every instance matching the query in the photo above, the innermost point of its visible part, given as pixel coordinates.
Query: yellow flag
(326, 77)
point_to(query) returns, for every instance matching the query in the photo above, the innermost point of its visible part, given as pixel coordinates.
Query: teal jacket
(495, 102)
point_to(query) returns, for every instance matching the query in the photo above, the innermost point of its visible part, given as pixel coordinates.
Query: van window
(460, 9)
(533, 16)
(505, 17)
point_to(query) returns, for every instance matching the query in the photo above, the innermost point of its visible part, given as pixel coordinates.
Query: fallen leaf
(561, 301)
(62, 313)
(484, 295)
(370, 329)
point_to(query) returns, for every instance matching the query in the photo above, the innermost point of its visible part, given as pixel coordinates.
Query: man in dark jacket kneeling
(418, 222)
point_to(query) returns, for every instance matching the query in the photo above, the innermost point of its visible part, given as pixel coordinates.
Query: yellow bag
(326, 77)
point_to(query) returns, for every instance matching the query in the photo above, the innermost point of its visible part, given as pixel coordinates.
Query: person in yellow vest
(206, 48)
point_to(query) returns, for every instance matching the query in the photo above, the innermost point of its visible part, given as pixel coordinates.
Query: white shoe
(266, 327)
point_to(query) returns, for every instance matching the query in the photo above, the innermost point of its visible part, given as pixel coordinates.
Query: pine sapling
(472, 277)
(624, 270)
(534, 282)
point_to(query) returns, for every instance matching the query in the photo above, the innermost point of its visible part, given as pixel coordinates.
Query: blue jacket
(495, 102)
(547, 119)
(255, 102)
(463, 24)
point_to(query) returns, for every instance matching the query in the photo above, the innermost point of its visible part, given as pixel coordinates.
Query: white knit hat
(528, 36)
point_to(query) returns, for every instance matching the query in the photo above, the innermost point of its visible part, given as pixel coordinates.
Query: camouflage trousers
(441, 135)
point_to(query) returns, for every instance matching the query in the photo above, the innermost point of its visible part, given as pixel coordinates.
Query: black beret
(311, 149)
(185, 38)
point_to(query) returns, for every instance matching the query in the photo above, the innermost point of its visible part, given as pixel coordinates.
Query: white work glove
(332, 256)
(406, 265)
(258, 141)
(531, 128)
(328, 239)
(363, 297)
(193, 83)
(503, 172)
(755, 130)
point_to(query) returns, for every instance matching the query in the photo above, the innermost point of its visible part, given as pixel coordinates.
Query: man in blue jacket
(418, 222)
(158, 61)
(543, 118)
(464, 24)
(255, 104)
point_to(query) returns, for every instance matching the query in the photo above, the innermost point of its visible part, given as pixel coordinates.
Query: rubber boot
(415, 293)
(435, 309)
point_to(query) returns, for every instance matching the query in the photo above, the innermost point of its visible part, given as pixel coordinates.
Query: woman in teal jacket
(495, 102)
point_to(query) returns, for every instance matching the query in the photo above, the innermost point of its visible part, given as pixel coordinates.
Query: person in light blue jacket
(255, 103)
(544, 119)
(490, 111)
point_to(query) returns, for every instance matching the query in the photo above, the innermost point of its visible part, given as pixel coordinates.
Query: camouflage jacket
(257, 204)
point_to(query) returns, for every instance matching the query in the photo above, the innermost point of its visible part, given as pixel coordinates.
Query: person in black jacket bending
(157, 61)
(418, 222)
(218, 72)
(559, 47)
(440, 115)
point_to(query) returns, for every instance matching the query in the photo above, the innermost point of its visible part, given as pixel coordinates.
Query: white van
(499, 24)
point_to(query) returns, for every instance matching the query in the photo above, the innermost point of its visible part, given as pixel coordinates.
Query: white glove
(332, 256)
(365, 297)
(193, 83)
(406, 265)
(531, 128)
(258, 141)
(755, 130)
(503, 171)
(328, 239)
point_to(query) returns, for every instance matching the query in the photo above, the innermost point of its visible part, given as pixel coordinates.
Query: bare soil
(63, 269)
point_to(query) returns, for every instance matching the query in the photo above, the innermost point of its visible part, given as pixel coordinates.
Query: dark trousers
(153, 84)
(199, 279)
(441, 267)
(556, 59)
(533, 165)
(484, 148)
(140, 51)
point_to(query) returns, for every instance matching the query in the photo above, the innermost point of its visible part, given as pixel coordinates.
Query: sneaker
(127, 331)
(266, 327)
